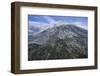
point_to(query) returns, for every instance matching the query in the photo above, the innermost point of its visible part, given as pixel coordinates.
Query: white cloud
(79, 24)
(49, 19)
(40, 25)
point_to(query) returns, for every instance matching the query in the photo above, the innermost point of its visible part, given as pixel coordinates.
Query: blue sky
(49, 19)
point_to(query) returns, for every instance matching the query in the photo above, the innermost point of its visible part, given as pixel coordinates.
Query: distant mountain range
(65, 41)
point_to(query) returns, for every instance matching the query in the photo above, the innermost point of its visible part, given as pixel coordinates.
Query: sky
(48, 19)
(38, 23)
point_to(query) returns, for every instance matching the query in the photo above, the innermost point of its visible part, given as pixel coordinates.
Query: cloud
(37, 25)
(81, 25)
(49, 19)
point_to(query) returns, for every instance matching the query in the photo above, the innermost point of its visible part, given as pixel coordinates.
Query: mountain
(67, 41)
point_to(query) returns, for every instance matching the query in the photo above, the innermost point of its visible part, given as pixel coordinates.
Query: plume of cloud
(79, 24)
(49, 19)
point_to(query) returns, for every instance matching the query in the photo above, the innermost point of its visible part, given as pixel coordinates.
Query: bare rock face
(60, 42)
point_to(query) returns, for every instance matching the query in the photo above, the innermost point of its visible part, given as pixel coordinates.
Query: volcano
(66, 41)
